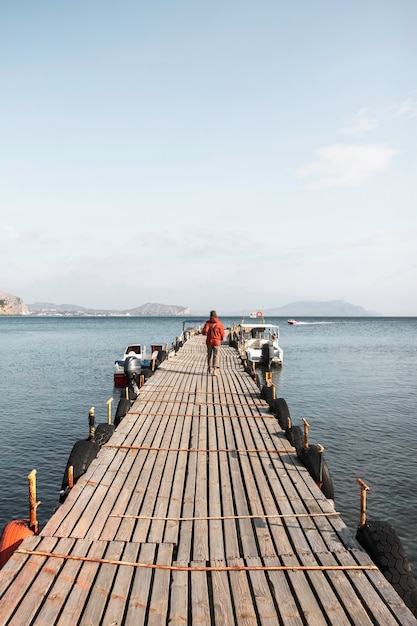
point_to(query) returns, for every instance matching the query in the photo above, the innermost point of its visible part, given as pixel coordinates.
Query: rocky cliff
(12, 305)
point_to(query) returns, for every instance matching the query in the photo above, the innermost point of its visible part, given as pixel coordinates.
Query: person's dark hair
(213, 314)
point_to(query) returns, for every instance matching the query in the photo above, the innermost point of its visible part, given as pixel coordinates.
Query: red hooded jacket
(214, 330)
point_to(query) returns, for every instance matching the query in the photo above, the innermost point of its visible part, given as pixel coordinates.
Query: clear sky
(228, 154)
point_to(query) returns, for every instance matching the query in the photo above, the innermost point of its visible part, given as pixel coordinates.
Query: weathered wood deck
(197, 511)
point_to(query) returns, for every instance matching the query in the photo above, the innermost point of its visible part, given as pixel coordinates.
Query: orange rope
(201, 402)
(146, 414)
(206, 568)
(224, 517)
(156, 449)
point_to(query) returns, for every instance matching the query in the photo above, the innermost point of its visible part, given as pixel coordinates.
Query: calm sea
(353, 379)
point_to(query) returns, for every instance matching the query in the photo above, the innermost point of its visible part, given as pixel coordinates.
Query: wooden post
(71, 477)
(91, 423)
(306, 428)
(33, 522)
(320, 450)
(269, 383)
(109, 403)
(364, 488)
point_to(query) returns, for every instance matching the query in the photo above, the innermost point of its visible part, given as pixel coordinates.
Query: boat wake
(312, 323)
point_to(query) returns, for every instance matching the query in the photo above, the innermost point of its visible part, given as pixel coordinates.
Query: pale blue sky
(228, 155)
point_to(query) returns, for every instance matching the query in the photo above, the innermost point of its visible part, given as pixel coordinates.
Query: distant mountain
(333, 308)
(161, 310)
(150, 309)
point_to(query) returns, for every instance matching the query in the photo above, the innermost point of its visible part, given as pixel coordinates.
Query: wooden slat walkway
(197, 511)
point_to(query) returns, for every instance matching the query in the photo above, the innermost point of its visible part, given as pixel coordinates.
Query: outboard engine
(267, 354)
(132, 369)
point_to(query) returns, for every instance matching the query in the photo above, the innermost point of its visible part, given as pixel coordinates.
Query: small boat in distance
(292, 322)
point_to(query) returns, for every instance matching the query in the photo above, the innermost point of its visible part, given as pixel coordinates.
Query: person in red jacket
(214, 330)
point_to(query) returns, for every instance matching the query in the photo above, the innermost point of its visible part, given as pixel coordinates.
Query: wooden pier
(197, 511)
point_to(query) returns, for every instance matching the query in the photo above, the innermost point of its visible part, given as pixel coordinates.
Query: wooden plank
(231, 543)
(200, 530)
(130, 470)
(118, 601)
(103, 584)
(215, 528)
(55, 597)
(244, 526)
(162, 499)
(175, 504)
(222, 596)
(179, 589)
(158, 605)
(147, 466)
(137, 605)
(265, 605)
(288, 610)
(242, 598)
(81, 586)
(184, 547)
(200, 601)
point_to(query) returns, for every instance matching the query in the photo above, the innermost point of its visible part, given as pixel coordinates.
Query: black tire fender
(82, 454)
(267, 393)
(314, 462)
(381, 542)
(280, 409)
(295, 436)
(102, 433)
(162, 355)
(122, 408)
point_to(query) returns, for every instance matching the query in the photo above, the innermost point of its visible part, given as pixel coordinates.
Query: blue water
(353, 379)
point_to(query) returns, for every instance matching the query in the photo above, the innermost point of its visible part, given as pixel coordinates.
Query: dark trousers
(213, 356)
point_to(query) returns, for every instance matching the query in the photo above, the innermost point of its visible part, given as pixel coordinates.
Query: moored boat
(259, 344)
(148, 360)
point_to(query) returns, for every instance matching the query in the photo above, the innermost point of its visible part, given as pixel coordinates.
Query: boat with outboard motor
(292, 322)
(148, 361)
(258, 343)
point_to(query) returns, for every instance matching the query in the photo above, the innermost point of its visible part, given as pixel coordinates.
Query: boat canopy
(259, 326)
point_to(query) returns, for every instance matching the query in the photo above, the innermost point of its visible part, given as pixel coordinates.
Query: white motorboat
(258, 343)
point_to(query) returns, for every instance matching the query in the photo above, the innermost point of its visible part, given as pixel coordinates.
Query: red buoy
(13, 534)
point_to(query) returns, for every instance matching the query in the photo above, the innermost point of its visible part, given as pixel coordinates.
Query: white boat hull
(259, 344)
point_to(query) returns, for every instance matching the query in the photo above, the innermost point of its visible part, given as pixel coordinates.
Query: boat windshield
(136, 349)
(259, 332)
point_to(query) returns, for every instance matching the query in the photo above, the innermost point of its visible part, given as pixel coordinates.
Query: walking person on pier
(214, 330)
